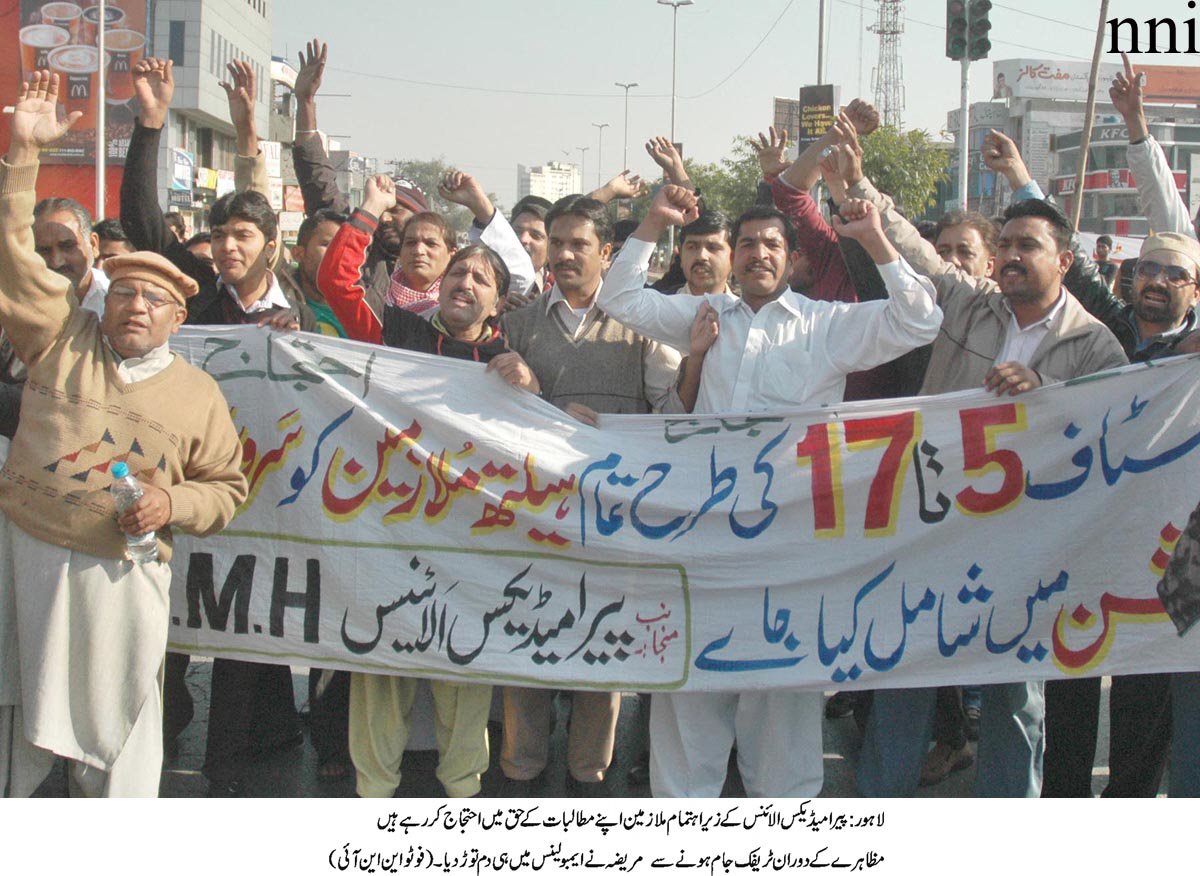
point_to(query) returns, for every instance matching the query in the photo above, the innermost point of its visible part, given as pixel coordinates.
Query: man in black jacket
(252, 707)
(243, 256)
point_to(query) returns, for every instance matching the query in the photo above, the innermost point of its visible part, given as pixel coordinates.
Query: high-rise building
(201, 37)
(551, 181)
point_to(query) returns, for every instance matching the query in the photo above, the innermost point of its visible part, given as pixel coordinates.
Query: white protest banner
(417, 515)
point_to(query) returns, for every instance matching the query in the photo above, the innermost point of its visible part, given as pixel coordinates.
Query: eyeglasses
(153, 300)
(1176, 275)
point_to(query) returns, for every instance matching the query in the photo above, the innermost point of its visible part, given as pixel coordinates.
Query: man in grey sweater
(586, 363)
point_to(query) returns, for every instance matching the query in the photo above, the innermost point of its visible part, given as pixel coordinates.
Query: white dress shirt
(660, 364)
(93, 300)
(499, 236)
(273, 299)
(793, 351)
(578, 320)
(1021, 343)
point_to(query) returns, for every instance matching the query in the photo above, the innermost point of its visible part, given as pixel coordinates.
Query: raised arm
(340, 275)
(249, 165)
(868, 334)
(314, 170)
(623, 186)
(816, 240)
(666, 156)
(917, 251)
(804, 172)
(1083, 280)
(490, 228)
(34, 300)
(624, 296)
(141, 215)
(1158, 196)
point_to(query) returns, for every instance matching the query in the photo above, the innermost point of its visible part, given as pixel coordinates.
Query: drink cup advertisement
(64, 38)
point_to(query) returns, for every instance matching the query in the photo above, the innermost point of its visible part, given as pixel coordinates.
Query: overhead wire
(588, 94)
(746, 59)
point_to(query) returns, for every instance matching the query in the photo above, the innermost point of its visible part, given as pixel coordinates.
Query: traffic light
(956, 29)
(977, 29)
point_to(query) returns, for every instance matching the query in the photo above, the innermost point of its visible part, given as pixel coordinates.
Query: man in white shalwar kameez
(83, 630)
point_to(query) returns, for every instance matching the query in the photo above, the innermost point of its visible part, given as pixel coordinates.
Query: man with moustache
(1159, 199)
(1008, 335)
(762, 341)
(82, 630)
(1161, 315)
(705, 255)
(585, 362)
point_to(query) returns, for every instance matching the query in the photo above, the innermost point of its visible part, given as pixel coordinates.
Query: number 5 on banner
(821, 448)
(980, 427)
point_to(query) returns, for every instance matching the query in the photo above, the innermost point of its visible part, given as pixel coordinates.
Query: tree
(730, 185)
(905, 165)
(428, 175)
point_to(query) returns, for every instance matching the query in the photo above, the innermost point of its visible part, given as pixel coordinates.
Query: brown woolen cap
(152, 268)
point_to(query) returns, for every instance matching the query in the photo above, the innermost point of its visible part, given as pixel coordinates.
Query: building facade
(1041, 104)
(201, 37)
(551, 181)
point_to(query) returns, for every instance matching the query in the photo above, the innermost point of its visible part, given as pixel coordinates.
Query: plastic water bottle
(125, 492)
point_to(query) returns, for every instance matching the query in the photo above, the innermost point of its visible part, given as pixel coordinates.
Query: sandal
(335, 769)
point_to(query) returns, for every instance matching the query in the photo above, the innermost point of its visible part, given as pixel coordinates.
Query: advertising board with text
(63, 37)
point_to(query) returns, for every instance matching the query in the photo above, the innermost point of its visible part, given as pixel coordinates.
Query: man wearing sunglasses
(1161, 313)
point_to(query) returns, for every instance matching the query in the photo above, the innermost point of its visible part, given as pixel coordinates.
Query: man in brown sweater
(82, 629)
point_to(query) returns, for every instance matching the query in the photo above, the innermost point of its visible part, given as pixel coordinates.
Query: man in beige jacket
(1010, 333)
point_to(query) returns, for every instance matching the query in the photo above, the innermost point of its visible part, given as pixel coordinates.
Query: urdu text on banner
(418, 516)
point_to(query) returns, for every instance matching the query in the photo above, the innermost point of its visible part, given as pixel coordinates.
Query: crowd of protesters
(554, 298)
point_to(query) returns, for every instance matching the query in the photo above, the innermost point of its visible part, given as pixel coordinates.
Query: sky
(488, 86)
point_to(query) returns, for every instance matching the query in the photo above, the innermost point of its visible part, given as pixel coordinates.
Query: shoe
(577, 788)
(230, 788)
(278, 746)
(525, 787)
(840, 705)
(335, 769)
(639, 773)
(972, 713)
(943, 761)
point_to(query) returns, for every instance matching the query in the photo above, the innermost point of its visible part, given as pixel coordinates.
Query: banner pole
(1085, 140)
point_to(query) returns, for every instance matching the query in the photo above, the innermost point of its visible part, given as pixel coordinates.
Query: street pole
(625, 154)
(821, 43)
(1085, 141)
(583, 165)
(674, 4)
(600, 126)
(963, 151)
(101, 88)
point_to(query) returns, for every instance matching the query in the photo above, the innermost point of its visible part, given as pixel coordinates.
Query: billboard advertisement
(1053, 80)
(63, 37)
(1068, 80)
(818, 111)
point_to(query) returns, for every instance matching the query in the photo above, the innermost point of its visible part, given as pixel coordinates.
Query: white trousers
(135, 773)
(778, 735)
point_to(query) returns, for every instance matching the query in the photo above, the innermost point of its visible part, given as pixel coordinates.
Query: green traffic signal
(978, 27)
(956, 29)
